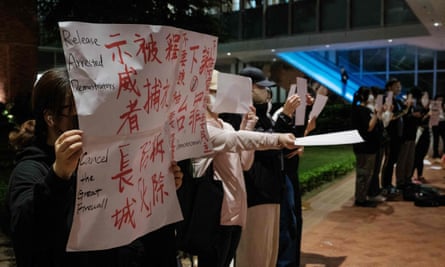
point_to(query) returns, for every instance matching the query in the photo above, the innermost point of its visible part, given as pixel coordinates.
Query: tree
(195, 15)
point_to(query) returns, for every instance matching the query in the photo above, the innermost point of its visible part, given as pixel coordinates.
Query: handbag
(428, 197)
(200, 199)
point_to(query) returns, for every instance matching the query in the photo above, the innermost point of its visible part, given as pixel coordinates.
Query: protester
(291, 217)
(439, 131)
(232, 153)
(41, 193)
(422, 143)
(265, 181)
(365, 121)
(374, 190)
(411, 121)
(396, 109)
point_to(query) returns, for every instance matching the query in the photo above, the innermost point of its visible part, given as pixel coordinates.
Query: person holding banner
(42, 186)
(366, 122)
(233, 152)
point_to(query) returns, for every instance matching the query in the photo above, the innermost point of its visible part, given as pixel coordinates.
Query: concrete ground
(395, 233)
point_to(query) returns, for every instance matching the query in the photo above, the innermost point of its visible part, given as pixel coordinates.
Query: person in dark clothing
(411, 121)
(365, 121)
(264, 181)
(42, 186)
(394, 131)
(423, 139)
(374, 190)
(344, 75)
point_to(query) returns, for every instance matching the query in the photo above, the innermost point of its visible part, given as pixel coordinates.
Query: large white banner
(140, 93)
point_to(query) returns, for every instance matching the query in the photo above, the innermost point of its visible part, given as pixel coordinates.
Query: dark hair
(416, 92)
(22, 137)
(361, 95)
(376, 90)
(49, 95)
(391, 82)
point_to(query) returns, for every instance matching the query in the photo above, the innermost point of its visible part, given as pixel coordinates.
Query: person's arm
(234, 141)
(248, 123)
(37, 201)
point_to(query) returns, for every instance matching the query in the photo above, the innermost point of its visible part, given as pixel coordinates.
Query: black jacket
(360, 121)
(41, 206)
(265, 179)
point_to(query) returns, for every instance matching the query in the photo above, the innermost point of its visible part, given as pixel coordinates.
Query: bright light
(437, 24)
(229, 54)
(389, 40)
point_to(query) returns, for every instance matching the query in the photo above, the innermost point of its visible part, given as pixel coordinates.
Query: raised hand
(68, 149)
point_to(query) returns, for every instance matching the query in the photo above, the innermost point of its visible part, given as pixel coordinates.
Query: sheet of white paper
(140, 94)
(388, 99)
(320, 102)
(292, 90)
(300, 112)
(234, 94)
(337, 138)
(435, 108)
(379, 101)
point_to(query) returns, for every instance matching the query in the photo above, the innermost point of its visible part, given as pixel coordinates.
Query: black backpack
(200, 199)
(428, 197)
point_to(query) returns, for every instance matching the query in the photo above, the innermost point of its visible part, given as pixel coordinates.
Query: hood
(43, 153)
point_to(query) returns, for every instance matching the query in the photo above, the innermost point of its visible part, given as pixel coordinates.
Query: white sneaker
(378, 198)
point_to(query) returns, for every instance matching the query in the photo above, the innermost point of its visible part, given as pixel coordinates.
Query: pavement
(395, 233)
(338, 234)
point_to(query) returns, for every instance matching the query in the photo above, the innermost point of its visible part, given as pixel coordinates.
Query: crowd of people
(254, 157)
(397, 140)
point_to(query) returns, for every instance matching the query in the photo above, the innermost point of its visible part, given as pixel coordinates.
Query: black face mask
(264, 120)
(261, 109)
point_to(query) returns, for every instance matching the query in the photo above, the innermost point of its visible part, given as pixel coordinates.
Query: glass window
(425, 81)
(401, 58)
(277, 20)
(365, 13)
(374, 59)
(304, 16)
(252, 23)
(333, 15)
(425, 59)
(397, 12)
(440, 83)
(372, 79)
(352, 57)
(441, 60)
(230, 26)
(406, 80)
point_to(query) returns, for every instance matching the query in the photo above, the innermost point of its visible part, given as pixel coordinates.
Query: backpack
(200, 199)
(428, 197)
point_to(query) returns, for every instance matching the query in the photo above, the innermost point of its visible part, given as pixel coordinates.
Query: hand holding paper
(337, 138)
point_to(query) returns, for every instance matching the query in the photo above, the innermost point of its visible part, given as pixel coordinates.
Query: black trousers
(224, 249)
(391, 155)
(438, 132)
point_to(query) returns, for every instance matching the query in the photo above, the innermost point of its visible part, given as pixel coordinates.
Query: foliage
(195, 15)
(315, 178)
(320, 165)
